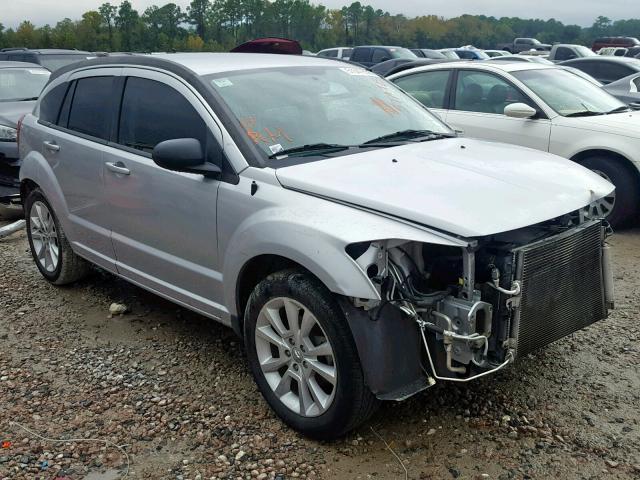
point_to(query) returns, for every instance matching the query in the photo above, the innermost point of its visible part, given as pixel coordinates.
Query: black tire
(70, 267)
(627, 198)
(353, 402)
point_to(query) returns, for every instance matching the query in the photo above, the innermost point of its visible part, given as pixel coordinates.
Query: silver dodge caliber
(361, 249)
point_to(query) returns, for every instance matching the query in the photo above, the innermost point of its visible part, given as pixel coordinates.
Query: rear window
(22, 84)
(91, 107)
(54, 62)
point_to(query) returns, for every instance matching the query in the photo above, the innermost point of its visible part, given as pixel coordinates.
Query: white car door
(429, 87)
(477, 109)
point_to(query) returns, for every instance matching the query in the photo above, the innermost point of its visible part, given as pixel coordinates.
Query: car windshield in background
(568, 94)
(584, 51)
(20, 84)
(402, 53)
(54, 62)
(289, 108)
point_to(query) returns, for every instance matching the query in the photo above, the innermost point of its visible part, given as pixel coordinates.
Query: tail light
(18, 127)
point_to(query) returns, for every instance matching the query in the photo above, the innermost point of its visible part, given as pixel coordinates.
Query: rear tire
(50, 248)
(627, 193)
(271, 338)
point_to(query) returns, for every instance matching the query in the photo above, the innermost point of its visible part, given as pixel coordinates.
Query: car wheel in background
(49, 246)
(303, 357)
(621, 207)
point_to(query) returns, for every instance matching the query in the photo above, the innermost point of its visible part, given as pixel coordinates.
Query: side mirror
(519, 110)
(183, 155)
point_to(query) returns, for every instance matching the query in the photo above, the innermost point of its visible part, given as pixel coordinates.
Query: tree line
(218, 25)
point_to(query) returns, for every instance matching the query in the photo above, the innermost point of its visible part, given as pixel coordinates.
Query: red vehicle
(603, 42)
(270, 45)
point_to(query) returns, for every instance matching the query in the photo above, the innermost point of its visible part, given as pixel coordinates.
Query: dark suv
(603, 42)
(370, 55)
(49, 58)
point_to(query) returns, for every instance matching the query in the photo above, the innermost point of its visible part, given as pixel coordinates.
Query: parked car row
(361, 248)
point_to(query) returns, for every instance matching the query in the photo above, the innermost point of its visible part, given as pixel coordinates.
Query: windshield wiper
(620, 109)
(410, 134)
(585, 113)
(312, 148)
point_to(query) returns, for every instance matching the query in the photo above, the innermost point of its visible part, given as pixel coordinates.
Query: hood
(10, 112)
(626, 124)
(466, 187)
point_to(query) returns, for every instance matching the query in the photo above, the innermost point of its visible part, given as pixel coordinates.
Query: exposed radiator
(562, 286)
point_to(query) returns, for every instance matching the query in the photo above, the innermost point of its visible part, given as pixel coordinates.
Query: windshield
(584, 51)
(567, 93)
(22, 83)
(450, 54)
(54, 62)
(402, 53)
(291, 107)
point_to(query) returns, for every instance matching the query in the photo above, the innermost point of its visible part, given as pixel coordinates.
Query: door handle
(117, 167)
(51, 146)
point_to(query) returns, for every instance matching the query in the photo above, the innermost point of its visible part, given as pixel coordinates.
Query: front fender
(312, 232)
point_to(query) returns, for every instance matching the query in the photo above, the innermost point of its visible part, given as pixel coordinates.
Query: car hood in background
(626, 123)
(10, 112)
(466, 187)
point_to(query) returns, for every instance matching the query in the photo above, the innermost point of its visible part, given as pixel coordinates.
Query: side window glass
(153, 112)
(52, 102)
(379, 55)
(636, 82)
(486, 93)
(346, 53)
(563, 53)
(616, 72)
(361, 55)
(331, 54)
(428, 88)
(91, 107)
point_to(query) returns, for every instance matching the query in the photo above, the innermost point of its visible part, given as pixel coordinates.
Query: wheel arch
(580, 157)
(253, 272)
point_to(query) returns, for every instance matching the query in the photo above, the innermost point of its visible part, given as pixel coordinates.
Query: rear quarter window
(52, 102)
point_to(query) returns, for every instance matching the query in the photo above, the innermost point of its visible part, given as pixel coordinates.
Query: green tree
(197, 15)
(109, 13)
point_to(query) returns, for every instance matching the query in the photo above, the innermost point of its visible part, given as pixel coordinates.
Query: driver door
(478, 103)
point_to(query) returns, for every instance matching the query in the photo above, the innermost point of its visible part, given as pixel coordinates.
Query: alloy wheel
(603, 207)
(44, 237)
(296, 356)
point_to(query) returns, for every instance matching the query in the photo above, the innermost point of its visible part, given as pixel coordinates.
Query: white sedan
(541, 107)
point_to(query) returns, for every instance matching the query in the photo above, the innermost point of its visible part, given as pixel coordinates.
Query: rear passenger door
(74, 140)
(430, 88)
(478, 102)
(164, 222)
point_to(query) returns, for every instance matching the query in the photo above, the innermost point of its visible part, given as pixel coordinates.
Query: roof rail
(11, 49)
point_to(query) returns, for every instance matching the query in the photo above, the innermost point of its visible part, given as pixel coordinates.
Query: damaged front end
(460, 313)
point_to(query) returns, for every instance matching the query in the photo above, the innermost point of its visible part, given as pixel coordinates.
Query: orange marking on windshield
(265, 135)
(384, 106)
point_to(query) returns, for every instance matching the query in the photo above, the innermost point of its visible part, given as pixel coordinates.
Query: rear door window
(380, 55)
(153, 112)
(90, 111)
(429, 88)
(329, 54)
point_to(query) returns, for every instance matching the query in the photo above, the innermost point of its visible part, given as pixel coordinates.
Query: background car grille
(562, 286)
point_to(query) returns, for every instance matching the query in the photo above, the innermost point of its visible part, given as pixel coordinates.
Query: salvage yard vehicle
(542, 107)
(627, 90)
(49, 58)
(523, 44)
(605, 69)
(359, 247)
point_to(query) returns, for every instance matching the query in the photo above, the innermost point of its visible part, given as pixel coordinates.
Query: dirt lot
(173, 390)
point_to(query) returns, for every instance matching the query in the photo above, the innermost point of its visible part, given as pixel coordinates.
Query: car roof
(45, 51)
(13, 64)
(606, 58)
(206, 63)
(487, 66)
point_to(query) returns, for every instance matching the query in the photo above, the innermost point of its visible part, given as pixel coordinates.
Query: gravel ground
(173, 390)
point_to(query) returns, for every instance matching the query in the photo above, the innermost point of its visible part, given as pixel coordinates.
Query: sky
(581, 12)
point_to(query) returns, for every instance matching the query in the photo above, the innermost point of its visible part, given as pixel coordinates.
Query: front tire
(50, 248)
(303, 357)
(620, 208)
